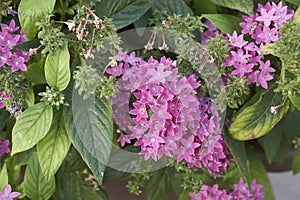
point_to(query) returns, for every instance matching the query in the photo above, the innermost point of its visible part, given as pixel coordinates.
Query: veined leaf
(53, 148)
(90, 127)
(245, 6)
(123, 12)
(57, 68)
(31, 127)
(35, 185)
(178, 7)
(238, 151)
(258, 116)
(226, 23)
(3, 177)
(296, 162)
(30, 11)
(295, 99)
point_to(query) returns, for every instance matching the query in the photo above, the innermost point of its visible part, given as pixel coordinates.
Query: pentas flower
(166, 116)
(4, 147)
(8, 40)
(241, 191)
(245, 58)
(7, 194)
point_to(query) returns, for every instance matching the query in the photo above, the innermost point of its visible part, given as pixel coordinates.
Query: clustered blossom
(7, 194)
(246, 57)
(8, 39)
(4, 147)
(167, 117)
(240, 191)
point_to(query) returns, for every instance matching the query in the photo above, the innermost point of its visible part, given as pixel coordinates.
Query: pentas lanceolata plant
(246, 58)
(7, 194)
(240, 191)
(167, 116)
(12, 60)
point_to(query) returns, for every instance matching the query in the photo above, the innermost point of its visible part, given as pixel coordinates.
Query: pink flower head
(237, 41)
(4, 147)
(267, 16)
(7, 194)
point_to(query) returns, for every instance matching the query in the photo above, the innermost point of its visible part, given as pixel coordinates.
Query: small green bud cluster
(107, 86)
(135, 186)
(51, 36)
(53, 96)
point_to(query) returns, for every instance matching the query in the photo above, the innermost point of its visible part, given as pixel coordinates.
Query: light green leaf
(31, 127)
(259, 115)
(35, 73)
(35, 185)
(238, 152)
(123, 12)
(259, 173)
(57, 68)
(295, 99)
(297, 16)
(178, 7)
(3, 178)
(160, 185)
(296, 162)
(30, 11)
(296, 2)
(90, 127)
(29, 96)
(245, 6)
(226, 23)
(53, 148)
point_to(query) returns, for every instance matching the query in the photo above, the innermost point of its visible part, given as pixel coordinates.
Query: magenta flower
(17, 63)
(242, 69)
(262, 79)
(4, 147)
(240, 56)
(115, 70)
(7, 194)
(11, 28)
(267, 16)
(237, 41)
(268, 35)
(159, 74)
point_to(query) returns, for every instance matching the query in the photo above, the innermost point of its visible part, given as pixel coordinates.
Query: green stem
(63, 10)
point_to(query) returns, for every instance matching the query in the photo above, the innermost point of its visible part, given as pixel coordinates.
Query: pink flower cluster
(166, 117)
(245, 57)
(8, 39)
(240, 191)
(4, 147)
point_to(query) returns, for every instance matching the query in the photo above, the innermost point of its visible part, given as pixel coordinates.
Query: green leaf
(35, 73)
(296, 2)
(57, 68)
(296, 162)
(123, 12)
(30, 11)
(35, 185)
(238, 152)
(258, 172)
(277, 143)
(205, 7)
(185, 195)
(295, 99)
(259, 115)
(31, 127)
(245, 6)
(297, 16)
(178, 7)
(90, 127)
(159, 185)
(3, 178)
(73, 187)
(226, 23)
(53, 148)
